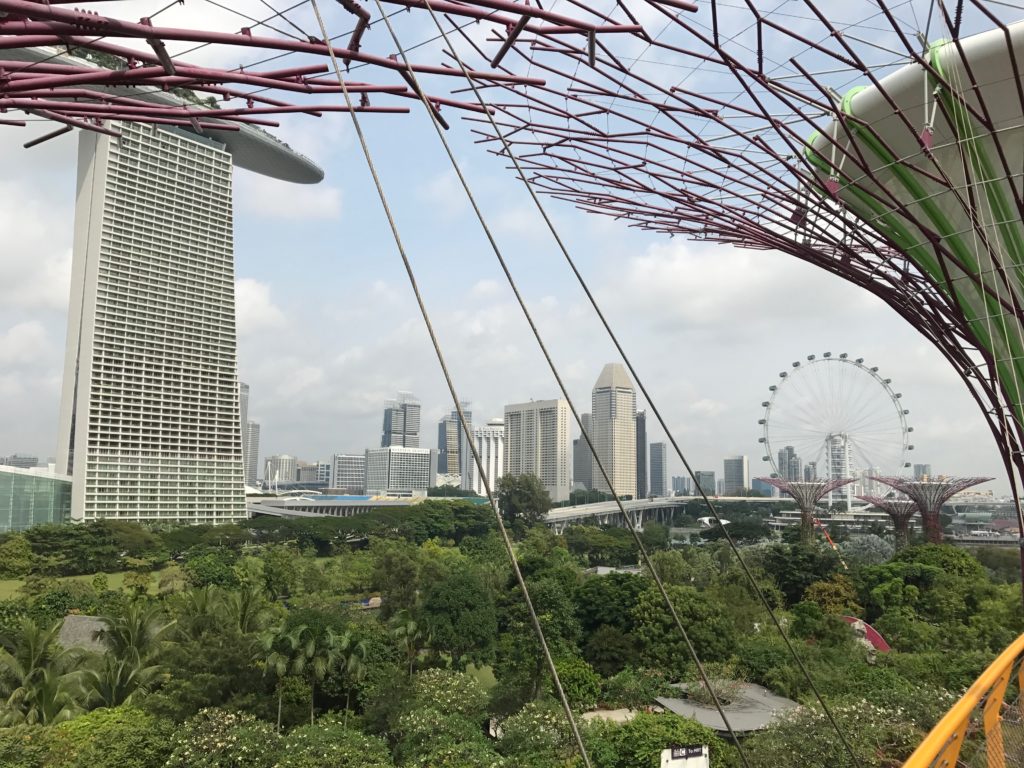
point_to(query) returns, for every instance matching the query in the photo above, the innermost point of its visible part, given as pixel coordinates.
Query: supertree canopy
(211, 68)
(807, 495)
(900, 511)
(929, 496)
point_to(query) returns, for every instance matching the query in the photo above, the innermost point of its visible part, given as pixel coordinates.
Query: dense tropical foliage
(257, 646)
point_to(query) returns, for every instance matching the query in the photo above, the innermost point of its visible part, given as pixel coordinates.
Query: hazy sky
(329, 330)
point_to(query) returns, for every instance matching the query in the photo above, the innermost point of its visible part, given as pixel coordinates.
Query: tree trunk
(902, 534)
(348, 699)
(806, 527)
(312, 696)
(280, 695)
(932, 527)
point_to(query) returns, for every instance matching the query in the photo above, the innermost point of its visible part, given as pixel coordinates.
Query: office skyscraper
(790, 467)
(922, 471)
(449, 441)
(149, 418)
(243, 420)
(735, 476)
(613, 421)
(490, 445)
(537, 442)
(401, 422)
(348, 472)
(680, 485)
(659, 469)
(641, 457)
(706, 481)
(252, 452)
(398, 471)
(582, 459)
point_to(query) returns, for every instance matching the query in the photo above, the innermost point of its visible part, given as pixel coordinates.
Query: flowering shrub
(639, 743)
(450, 692)
(330, 743)
(880, 737)
(216, 738)
(536, 732)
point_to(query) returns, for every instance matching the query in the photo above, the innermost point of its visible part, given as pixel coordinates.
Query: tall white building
(398, 471)
(252, 453)
(735, 475)
(149, 419)
(613, 425)
(659, 470)
(348, 472)
(537, 442)
(490, 445)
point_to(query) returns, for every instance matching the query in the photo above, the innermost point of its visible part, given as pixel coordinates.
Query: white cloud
(270, 198)
(24, 343)
(254, 309)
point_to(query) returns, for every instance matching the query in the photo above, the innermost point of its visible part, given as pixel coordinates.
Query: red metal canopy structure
(807, 495)
(82, 67)
(900, 511)
(929, 496)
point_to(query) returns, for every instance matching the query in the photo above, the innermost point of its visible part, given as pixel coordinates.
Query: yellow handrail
(941, 747)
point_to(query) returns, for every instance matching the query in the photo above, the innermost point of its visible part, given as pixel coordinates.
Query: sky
(328, 327)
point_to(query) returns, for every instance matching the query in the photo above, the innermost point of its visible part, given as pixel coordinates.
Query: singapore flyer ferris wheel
(832, 417)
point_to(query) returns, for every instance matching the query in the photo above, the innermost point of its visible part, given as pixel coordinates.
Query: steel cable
(414, 284)
(657, 413)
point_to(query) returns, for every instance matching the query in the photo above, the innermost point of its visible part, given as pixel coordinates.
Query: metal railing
(985, 728)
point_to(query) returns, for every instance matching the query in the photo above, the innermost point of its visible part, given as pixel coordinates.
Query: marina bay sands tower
(149, 424)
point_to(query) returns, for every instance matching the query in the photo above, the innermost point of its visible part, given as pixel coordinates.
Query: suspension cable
(414, 284)
(657, 413)
(551, 364)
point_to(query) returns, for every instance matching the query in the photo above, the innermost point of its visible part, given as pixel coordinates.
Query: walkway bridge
(985, 729)
(658, 510)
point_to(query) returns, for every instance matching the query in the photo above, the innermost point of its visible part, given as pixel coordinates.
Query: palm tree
(410, 635)
(353, 657)
(137, 635)
(317, 653)
(280, 646)
(37, 677)
(110, 681)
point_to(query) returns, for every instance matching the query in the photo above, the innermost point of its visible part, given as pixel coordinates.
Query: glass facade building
(32, 498)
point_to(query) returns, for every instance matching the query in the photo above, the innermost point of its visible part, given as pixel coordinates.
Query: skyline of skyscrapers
(149, 425)
(659, 469)
(706, 481)
(789, 465)
(537, 442)
(613, 424)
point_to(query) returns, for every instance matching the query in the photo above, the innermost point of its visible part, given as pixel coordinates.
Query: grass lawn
(484, 675)
(9, 587)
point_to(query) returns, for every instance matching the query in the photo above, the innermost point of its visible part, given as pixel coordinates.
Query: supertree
(929, 496)
(900, 511)
(807, 495)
